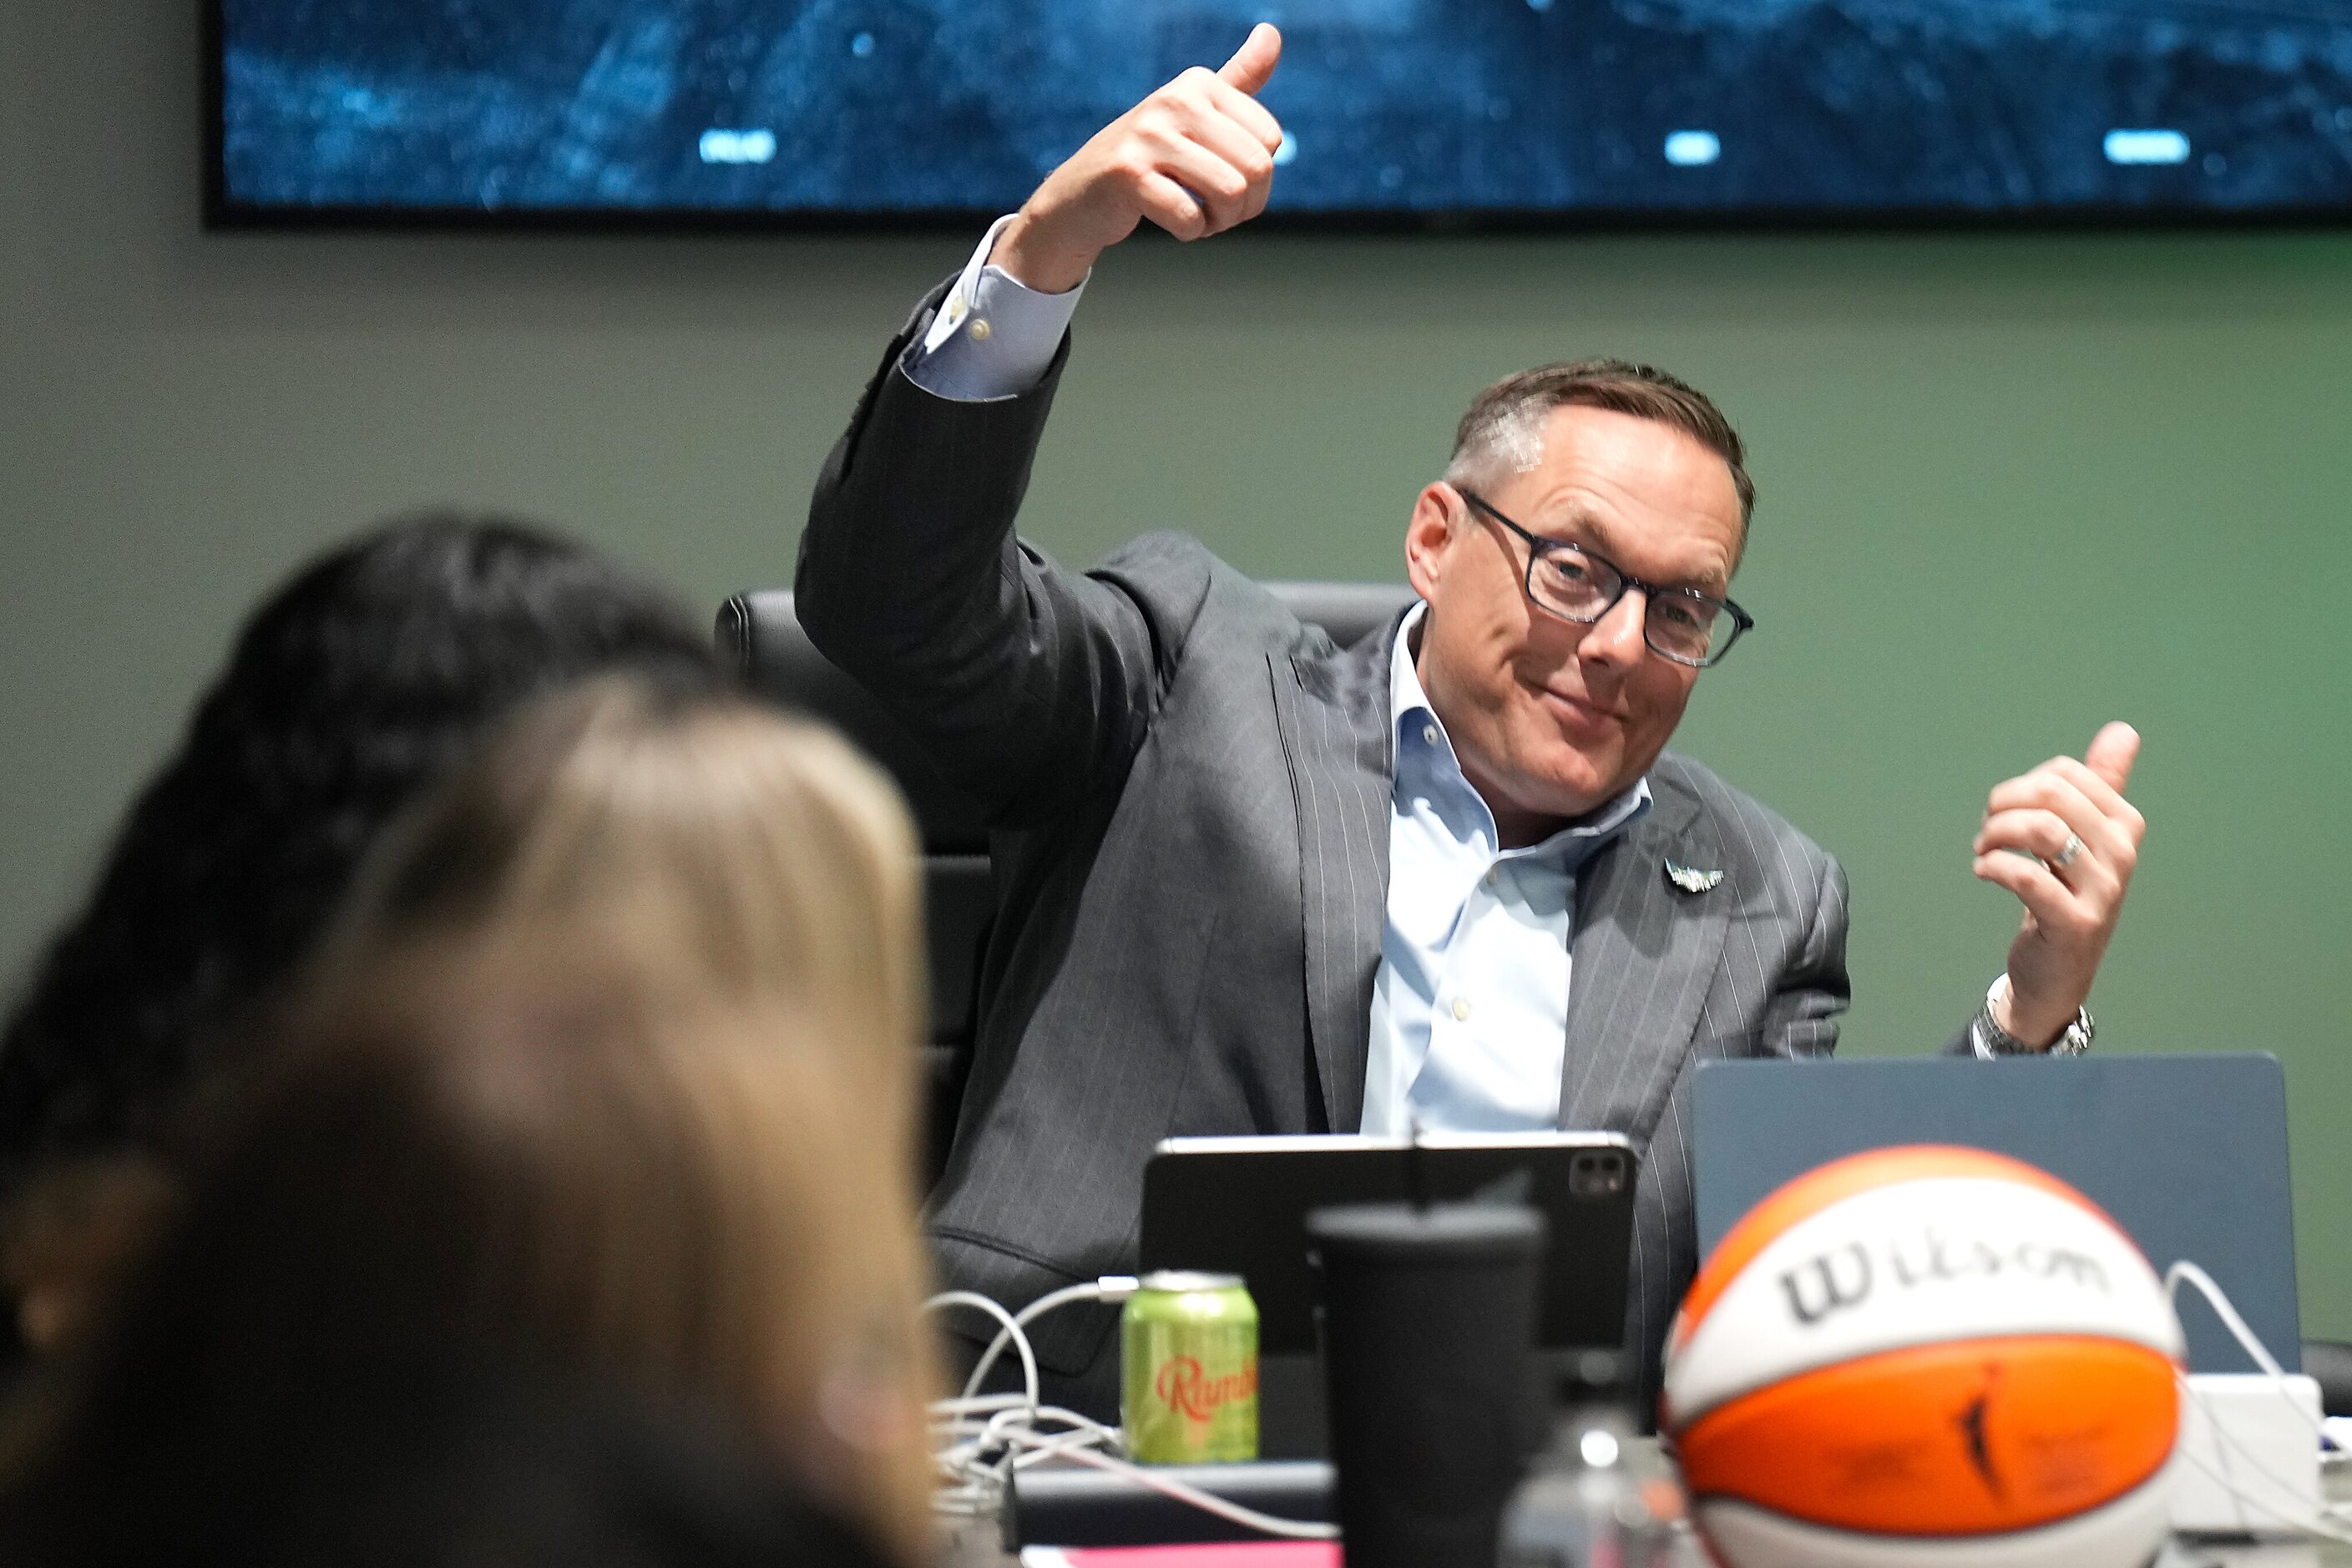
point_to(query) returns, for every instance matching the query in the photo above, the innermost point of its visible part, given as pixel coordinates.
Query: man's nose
(1616, 638)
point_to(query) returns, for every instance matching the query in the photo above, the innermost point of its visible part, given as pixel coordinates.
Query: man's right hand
(1196, 158)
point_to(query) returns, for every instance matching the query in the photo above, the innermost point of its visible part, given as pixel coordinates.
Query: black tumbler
(1429, 1320)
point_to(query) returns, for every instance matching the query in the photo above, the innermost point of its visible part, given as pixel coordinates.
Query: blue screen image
(1664, 108)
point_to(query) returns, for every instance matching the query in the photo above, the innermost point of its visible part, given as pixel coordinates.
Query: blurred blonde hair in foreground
(609, 1069)
(724, 852)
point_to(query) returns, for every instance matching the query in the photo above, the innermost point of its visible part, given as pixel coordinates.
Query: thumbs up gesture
(2065, 840)
(1196, 158)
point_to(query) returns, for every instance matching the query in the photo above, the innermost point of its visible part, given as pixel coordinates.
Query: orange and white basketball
(1925, 1357)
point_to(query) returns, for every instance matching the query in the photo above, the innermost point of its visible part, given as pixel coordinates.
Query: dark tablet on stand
(1239, 1206)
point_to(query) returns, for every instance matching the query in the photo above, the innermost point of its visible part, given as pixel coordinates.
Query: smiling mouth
(1579, 712)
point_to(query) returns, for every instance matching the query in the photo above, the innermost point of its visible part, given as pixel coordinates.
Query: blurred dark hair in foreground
(360, 681)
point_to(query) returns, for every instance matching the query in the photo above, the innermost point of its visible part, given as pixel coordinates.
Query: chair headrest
(1348, 611)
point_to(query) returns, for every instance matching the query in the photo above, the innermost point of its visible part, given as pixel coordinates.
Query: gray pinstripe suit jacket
(1191, 792)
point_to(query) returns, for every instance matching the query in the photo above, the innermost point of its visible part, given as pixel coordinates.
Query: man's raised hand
(2065, 840)
(1196, 158)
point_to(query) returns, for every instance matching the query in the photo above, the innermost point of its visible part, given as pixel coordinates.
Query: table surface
(977, 1544)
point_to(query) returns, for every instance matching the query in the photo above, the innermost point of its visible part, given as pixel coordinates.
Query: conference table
(977, 1544)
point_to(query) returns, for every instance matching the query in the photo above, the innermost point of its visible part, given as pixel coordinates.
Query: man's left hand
(2064, 840)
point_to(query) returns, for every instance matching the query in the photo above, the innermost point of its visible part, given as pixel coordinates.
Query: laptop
(2187, 1152)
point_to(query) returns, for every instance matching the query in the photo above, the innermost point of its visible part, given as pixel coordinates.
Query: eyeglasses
(1573, 583)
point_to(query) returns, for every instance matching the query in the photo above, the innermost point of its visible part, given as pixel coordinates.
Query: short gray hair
(1502, 432)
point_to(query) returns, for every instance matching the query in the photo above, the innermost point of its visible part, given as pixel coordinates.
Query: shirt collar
(1435, 767)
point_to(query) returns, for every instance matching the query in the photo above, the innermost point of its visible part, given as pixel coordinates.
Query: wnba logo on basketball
(1931, 1358)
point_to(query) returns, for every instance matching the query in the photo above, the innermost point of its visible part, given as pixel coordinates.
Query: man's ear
(1429, 536)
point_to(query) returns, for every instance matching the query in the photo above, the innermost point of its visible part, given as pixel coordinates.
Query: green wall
(2011, 486)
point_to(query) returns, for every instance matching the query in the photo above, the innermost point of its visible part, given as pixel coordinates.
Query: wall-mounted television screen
(1461, 112)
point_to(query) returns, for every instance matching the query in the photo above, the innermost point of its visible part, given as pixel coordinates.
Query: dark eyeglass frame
(1538, 548)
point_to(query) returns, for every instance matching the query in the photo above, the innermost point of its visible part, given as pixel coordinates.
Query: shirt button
(979, 330)
(1494, 875)
(1429, 735)
(1461, 1009)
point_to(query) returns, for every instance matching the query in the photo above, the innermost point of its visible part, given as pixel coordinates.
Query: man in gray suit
(1252, 883)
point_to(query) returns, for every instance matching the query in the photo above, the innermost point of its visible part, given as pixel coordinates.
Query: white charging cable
(1208, 1502)
(1109, 1287)
(2330, 1524)
(1012, 1329)
(984, 1439)
(2187, 1273)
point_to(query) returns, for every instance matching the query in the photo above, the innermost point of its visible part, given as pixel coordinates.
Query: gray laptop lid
(2187, 1152)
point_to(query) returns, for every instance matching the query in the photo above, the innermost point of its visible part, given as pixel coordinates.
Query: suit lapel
(1644, 954)
(1332, 708)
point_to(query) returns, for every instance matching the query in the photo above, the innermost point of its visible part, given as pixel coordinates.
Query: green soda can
(1191, 1359)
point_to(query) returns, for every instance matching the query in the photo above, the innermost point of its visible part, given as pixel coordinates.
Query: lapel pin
(1690, 879)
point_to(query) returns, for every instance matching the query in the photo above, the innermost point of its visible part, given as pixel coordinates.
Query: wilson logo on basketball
(1845, 1277)
(1184, 1388)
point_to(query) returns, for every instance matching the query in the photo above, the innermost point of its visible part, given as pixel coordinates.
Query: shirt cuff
(993, 335)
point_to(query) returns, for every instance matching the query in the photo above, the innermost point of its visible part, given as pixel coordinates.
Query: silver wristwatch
(2000, 1042)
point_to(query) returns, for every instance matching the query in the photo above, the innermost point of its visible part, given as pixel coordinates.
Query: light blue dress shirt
(992, 336)
(1470, 1006)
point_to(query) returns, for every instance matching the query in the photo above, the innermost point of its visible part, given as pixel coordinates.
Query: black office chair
(760, 635)
(2329, 1363)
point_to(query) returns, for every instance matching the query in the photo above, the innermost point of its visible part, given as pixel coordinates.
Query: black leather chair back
(2329, 1363)
(760, 637)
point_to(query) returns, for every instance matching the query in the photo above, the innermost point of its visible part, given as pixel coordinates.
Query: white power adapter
(2248, 1459)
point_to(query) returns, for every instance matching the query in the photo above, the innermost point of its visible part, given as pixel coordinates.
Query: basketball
(1925, 1357)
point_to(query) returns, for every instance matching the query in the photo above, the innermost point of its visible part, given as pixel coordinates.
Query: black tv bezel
(224, 213)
